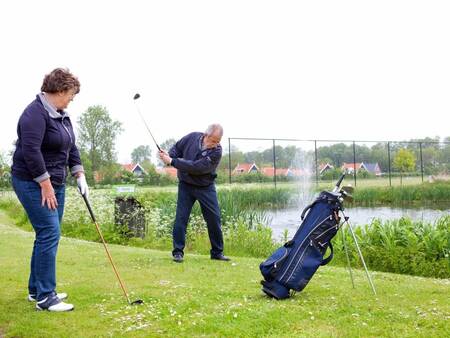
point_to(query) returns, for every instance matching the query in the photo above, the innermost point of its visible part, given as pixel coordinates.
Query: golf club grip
(89, 208)
(340, 180)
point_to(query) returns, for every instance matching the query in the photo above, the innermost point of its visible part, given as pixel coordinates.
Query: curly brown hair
(60, 80)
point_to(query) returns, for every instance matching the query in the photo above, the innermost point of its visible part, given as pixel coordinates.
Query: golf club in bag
(292, 266)
(122, 285)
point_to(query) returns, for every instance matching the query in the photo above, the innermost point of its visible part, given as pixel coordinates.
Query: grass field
(204, 298)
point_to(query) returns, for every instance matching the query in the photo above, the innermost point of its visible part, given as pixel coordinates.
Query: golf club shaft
(146, 126)
(338, 183)
(122, 285)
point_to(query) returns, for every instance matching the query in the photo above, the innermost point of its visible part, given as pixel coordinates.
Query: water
(290, 218)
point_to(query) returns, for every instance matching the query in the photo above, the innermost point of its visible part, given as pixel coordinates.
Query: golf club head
(348, 189)
(136, 96)
(347, 197)
(137, 302)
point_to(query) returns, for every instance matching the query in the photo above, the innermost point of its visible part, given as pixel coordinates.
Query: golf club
(137, 96)
(122, 285)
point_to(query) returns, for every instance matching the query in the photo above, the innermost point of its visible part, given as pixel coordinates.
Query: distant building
(372, 168)
(245, 168)
(350, 168)
(169, 171)
(324, 167)
(136, 169)
(290, 172)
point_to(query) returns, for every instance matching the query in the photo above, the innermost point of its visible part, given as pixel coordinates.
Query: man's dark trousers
(207, 197)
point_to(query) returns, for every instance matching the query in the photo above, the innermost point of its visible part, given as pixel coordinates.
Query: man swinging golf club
(196, 156)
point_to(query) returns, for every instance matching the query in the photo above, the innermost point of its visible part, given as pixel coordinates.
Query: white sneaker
(53, 304)
(61, 296)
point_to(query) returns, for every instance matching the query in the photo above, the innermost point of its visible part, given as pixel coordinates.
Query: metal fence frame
(388, 143)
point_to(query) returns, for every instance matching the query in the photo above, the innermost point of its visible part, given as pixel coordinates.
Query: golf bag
(292, 266)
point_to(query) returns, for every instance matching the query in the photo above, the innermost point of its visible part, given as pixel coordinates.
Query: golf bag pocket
(311, 259)
(270, 267)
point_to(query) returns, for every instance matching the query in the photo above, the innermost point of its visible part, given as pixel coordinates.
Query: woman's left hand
(82, 185)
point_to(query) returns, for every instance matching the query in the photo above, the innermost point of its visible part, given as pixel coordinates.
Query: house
(136, 169)
(290, 172)
(324, 167)
(170, 171)
(349, 168)
(372, 168)
(269, 171)
(245, 168)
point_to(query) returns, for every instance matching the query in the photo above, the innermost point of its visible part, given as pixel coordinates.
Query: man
(196, 156)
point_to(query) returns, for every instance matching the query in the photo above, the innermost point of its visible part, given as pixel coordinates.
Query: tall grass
(400, 246)
(426, 192)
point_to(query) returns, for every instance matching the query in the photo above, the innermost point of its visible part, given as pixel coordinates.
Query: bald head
(213, 135)
(214, 128)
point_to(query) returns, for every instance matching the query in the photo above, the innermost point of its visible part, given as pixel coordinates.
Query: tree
(97, 136)
(404, 161)
(5, 171)
(167, 144)
(141, 154)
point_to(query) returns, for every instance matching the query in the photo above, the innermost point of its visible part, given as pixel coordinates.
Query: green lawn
(208, 298)
(360, 182)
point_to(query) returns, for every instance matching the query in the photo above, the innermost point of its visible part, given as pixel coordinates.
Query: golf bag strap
(306, 209)
(329, 258)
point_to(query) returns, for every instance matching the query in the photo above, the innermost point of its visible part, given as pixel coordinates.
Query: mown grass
(204, 298)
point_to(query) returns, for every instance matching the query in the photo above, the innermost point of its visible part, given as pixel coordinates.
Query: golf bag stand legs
(348, 258)
(360, 255)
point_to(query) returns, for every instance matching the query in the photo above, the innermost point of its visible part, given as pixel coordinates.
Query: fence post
(229, 160)
(315, 159)
(274, 165)
(389, 162)
(421, 160)
(354, 162)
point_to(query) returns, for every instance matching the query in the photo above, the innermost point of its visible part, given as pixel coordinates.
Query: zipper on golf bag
(273, 264)
(311, 259)
(312, 254)
(296, 257)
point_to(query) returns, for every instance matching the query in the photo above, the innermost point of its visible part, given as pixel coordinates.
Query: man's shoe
(221, 257)
(178, 258)
(53, 304)
(61, 296)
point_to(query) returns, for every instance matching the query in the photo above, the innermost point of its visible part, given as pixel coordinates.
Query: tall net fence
(377, 163)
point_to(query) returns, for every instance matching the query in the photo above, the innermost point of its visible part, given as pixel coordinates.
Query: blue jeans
(46, 225)
(207, 197)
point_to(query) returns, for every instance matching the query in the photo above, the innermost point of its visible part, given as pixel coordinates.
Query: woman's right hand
(48, 194)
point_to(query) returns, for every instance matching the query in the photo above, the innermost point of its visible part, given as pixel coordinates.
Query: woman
(44, 149)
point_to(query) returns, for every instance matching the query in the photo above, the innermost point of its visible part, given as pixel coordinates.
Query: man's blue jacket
(196, 166)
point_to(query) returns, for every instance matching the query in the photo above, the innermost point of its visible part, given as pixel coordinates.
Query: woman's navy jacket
(45, 145)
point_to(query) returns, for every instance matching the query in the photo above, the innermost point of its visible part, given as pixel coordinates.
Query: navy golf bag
(292, 266)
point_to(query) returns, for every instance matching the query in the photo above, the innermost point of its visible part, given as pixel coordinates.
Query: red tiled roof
(268, 171)
(128, 167)
(171, 171)
(351, 165)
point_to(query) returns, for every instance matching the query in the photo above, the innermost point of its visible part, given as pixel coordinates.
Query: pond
(290, 218)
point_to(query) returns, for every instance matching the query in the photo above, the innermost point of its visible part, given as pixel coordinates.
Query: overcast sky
(360, 70)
